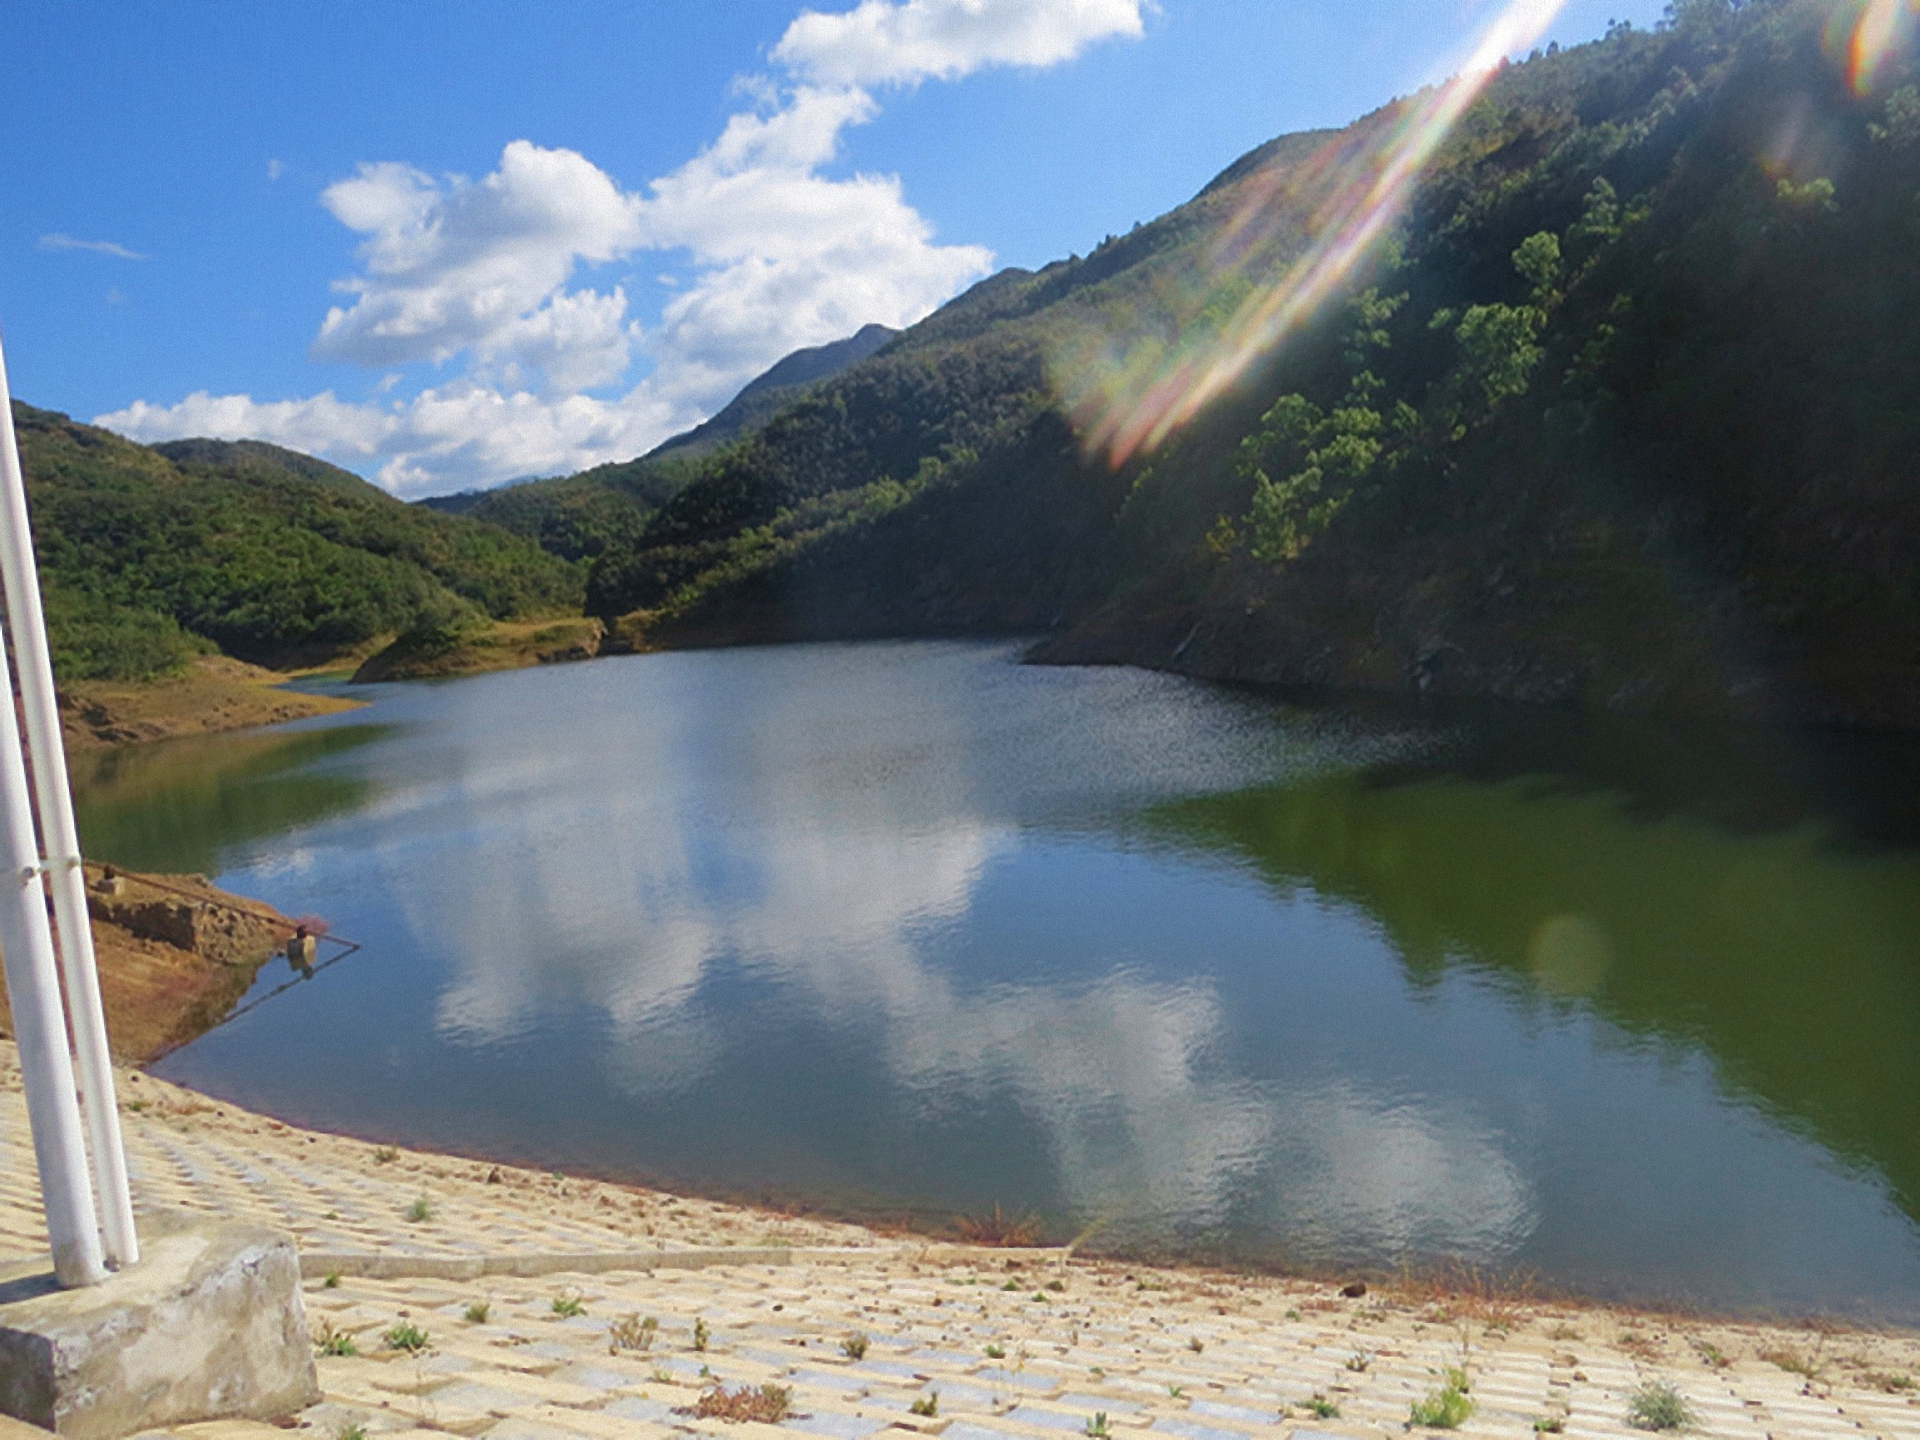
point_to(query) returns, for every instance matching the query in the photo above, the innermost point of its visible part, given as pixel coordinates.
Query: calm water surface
(911, 928)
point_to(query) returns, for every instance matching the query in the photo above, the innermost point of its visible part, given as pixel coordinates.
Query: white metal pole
(66, 876)
(39, 1027)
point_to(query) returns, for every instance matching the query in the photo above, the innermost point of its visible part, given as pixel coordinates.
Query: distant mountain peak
(770, 391)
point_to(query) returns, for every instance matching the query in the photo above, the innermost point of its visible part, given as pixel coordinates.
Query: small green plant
(1011, 1285)
(1196, 1344)
(1323, 1408)
(1359, 1361)
(352, 1430)
(1887, 1381)
(1293, 1314)
(406, 1336)
(996, 1352)
(478, 1310)
(927, 1405)
(700, 1333)
(1176, 1392)
(1549, 1425)
(1711, 1356)
(1794, 1361)
(332, 1282)
(334, 1342)
(1097, 1426)
(419, 1211)
(385, 1155)
(661, 1374)
(630, 1332)
(1457, 1379)
(1447, 1408)
(1057, 1286)
(568, 1304)
(1658, 1406)
(854, 1347)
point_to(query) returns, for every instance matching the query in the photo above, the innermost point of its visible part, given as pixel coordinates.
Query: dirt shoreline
(174, 954)
(216, 694)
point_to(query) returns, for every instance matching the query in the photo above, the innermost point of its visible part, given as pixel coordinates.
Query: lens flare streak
(1884, 28)
(1129, 418)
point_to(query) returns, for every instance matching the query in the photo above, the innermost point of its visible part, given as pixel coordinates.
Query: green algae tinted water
(904, 930)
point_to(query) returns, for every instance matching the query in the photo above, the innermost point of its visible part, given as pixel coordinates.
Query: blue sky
(449, 244)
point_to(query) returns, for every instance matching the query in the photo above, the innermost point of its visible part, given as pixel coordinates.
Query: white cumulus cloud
(453, 266)
(492, 275)
(786, 256)
(901, 42)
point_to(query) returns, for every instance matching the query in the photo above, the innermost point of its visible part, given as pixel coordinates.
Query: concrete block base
(209, 1325)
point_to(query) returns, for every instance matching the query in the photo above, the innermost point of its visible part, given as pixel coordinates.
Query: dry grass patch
(769, 1404)
(999, 1229)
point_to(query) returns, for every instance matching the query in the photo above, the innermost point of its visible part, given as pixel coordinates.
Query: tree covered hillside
(1622, 414)
(150, 554)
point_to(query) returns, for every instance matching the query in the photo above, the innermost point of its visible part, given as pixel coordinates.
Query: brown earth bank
(444, 654)
(174, 956)
(215, 694)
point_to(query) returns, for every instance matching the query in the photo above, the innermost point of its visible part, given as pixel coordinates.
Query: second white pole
(66, 877)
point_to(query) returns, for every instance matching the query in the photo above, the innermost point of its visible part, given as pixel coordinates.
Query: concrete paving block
(1240, 1413)
(1191, 1430)
(641, 1407)
(835, 1425)
(1020, 1379)
(961, 1430)
(1074, 1400)
(520, 1428)
(210, 1325)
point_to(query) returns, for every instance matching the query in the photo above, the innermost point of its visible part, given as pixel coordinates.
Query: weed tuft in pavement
(630, 1332)
(406, 1336)
(769, 1404)
(1658, 1406)
(1447, 1408)
(334, 1342)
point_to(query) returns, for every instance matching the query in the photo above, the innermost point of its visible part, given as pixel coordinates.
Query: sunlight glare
(1129, 403)
(1884, 28)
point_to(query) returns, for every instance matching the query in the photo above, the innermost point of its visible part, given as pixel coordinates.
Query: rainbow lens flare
(1880, 30)
(1131, 386)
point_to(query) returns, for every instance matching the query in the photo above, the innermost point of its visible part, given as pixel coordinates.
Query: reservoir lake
(902, 931)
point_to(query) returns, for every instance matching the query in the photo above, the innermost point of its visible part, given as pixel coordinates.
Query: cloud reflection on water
(824, 865)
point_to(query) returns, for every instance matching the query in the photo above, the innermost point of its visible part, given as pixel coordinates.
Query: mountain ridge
(1614, 419)
(767, 393)
(1521, 453)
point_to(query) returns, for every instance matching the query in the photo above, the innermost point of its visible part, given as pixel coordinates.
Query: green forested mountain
(1622, 414)
(148, 554)
(578, 516)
